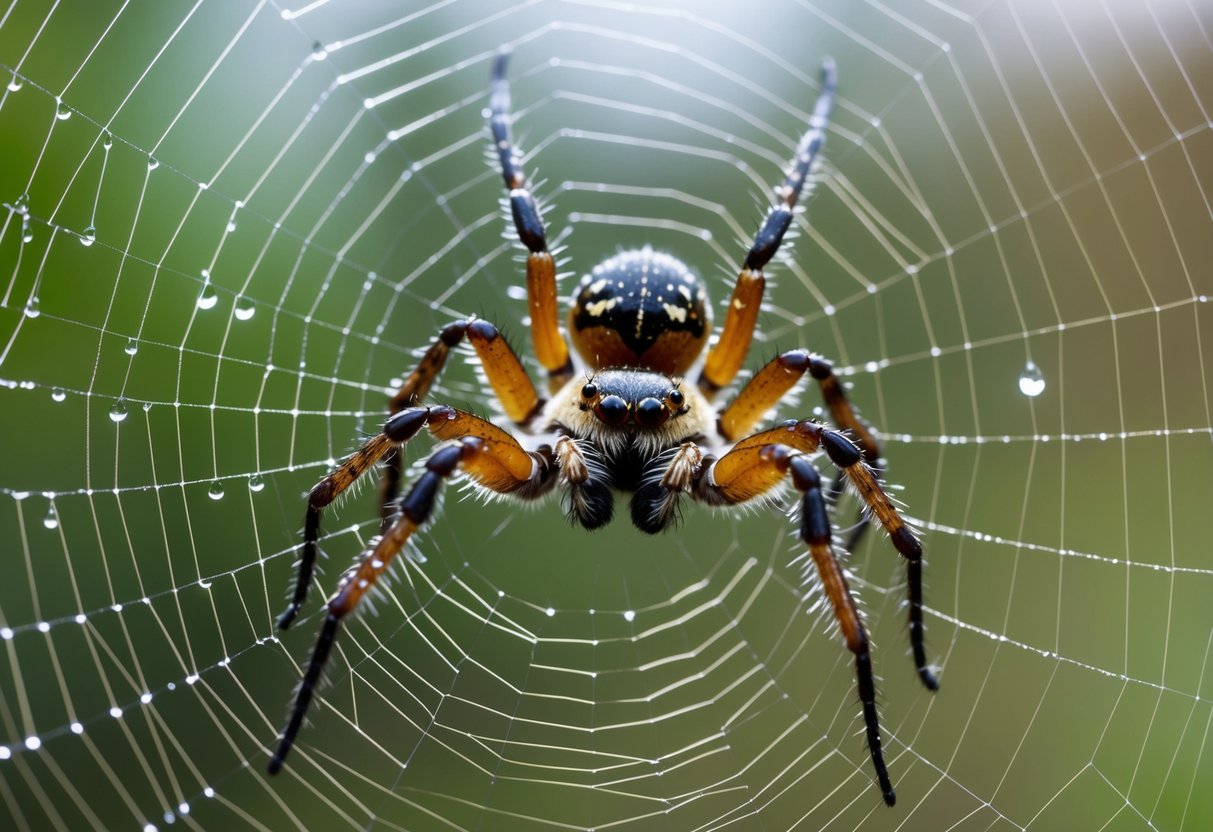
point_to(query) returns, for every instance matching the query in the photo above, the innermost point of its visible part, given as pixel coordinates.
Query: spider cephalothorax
(640, 322)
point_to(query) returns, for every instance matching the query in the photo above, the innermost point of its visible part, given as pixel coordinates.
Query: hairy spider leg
(510, 383)
(772, 382)
(743, 473)
(815, 532)
(551, 350)
(489, 455)
(727, 355)
(753, 468)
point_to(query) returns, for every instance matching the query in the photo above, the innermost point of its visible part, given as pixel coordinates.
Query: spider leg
(746, 472)
(489, 455)
(772, 382)
(770, 463)
(510, 383)
(727, 355)
(550, 347)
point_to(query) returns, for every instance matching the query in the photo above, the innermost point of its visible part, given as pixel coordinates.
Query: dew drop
(89, 236)
(215, 492)
(629, 615)
(1031, 380)
(27, 233)
(51, 520)
(21, 206)
(132, 347)
(245, 309)
(62, 111)
(118, 411)
(107, 140)
(208, 298)
(231, 226)
(58, 394)
(319, 53)
(15, 84)
(255, 483)
(32, 308)
(152, 163)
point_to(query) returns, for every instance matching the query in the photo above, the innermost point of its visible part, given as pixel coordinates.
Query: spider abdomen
(640, 308)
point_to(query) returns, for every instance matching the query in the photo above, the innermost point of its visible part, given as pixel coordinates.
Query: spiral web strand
(227, 228)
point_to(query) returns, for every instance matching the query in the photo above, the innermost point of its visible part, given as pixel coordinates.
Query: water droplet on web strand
(27, 233)
(231, 226)
(58, 394)
(118, 411)
(107, 140)
(244, 309)
(152, 163)
(215, 492)
(21, 206)
(132, 347)
(15, 84)
(208, 298)
(89, 236)
(51, 520)
(255, 483)
(62, 111)
(1031, 380)
(32, 308)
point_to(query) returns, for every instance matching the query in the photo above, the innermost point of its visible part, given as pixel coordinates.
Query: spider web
(228, 226)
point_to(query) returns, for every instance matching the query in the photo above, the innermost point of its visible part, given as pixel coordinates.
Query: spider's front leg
(551, 350)
(510, 383)
(483, 451)
(728, 353)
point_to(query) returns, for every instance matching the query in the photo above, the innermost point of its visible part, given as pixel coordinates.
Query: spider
(640, 320)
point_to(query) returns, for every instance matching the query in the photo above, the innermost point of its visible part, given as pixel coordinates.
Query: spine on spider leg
(815, 532)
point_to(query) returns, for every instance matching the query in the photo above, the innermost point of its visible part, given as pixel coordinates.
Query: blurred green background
(227, 226)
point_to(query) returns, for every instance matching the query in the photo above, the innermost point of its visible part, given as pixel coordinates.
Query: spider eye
(612, 410)
(589, 391)
(676, 398)
(651, 413)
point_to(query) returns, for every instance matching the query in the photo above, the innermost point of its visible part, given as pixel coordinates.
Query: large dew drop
(215, 492)
(118, 411)
(1031, 380)
(51, 520)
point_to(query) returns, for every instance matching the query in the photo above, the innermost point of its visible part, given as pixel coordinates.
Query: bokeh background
(228, 225)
